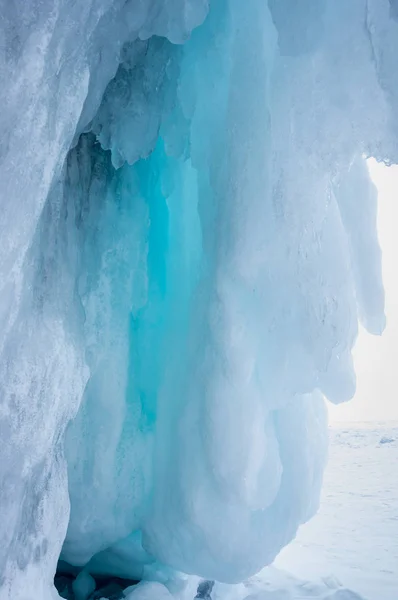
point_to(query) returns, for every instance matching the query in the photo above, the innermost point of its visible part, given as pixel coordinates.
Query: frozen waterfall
(188, 240)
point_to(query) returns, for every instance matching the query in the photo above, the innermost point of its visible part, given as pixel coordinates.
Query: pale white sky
(376, 358)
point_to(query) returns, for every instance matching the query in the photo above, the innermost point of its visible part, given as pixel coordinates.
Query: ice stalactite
(188, 241)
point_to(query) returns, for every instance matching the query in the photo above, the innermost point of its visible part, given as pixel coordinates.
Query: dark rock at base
(204, 590)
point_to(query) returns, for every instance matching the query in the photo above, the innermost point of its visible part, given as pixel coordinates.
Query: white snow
(354, 536)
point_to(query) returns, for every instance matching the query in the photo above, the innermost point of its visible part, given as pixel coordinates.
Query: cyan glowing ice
(188, 240)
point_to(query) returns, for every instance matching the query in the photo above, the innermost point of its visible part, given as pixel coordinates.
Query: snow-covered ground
(354, 537)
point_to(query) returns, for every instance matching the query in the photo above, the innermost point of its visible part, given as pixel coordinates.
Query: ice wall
(188, 240)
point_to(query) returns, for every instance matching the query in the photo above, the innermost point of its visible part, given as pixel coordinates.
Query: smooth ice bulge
(188, 241)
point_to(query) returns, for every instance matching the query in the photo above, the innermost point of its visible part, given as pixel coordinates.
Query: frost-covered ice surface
(188, 239)
(354, 536)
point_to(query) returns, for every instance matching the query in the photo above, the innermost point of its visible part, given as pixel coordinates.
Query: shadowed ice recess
(188, 240)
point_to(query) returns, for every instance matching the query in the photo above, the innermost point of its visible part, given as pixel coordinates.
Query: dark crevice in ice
(110, 587)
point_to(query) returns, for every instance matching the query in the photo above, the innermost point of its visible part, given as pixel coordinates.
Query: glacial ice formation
(188, 239)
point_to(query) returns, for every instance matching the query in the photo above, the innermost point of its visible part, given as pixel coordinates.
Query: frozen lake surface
(354, 537)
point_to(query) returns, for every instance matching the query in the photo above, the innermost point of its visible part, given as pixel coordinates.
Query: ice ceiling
(188, 239)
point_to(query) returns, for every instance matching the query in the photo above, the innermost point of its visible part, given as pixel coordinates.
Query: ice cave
(188, 242)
